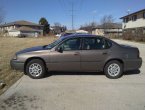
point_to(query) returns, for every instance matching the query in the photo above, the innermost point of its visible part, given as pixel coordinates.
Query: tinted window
(108, 44)
(50, 46)
(95, 43)
(71, 44)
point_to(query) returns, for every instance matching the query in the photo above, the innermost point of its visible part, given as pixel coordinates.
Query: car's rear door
(93, 54)
(69, 59)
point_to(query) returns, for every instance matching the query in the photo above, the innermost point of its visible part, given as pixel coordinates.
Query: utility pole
(72, 15)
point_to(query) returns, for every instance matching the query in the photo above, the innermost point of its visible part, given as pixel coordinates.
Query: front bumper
(132, 64)
(17, 65)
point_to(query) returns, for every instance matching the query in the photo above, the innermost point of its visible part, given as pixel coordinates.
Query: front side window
(50, 46)
(71, 44)
(95, 43)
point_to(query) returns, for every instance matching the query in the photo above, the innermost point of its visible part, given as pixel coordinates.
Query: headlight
(15, 57)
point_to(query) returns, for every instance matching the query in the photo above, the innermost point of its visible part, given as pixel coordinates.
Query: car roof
(79, 35)
(76, 35)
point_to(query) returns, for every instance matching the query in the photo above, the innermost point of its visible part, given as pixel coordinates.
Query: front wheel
(36, 69)
(113, 69)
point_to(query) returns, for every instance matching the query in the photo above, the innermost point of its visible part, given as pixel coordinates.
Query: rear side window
(94, 43)
(108, 44)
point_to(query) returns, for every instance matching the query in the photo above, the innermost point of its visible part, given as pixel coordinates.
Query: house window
(144, 15)
(125, 20)
(134, 18)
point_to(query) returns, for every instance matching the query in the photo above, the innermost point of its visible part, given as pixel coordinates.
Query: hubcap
(35, 69)
(113, 69)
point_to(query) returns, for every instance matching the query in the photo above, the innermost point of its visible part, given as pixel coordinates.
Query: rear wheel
(113, 69)
(36, 69)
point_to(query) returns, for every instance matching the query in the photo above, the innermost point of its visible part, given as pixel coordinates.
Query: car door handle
(76, 53)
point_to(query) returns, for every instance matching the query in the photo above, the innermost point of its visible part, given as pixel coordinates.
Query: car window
(94, 43)
(108, 44)
(71, 44)
(50, 46)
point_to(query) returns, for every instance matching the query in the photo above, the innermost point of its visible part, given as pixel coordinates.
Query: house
(21, 28)
(108, 29)
(82, 31)
(58, 29)
(134, 21)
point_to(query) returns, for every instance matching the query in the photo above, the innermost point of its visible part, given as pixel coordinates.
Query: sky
(85, 11)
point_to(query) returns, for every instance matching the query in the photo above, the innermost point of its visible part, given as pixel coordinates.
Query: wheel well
(32, 58)
(121, 61)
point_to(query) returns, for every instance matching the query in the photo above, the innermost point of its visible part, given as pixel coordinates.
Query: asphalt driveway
(79, 91)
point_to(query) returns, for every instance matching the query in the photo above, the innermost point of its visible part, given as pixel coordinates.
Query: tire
(36, 69)
(113, 69)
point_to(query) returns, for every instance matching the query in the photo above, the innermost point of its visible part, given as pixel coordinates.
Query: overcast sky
(60, 10)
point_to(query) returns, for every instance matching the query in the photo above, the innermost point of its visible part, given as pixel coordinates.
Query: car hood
(37, 48)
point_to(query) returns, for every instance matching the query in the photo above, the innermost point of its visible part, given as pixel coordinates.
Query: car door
(68, 59)
(93, 54)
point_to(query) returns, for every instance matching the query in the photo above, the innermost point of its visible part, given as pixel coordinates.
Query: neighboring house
(134, 21)
(21, 28)
(58, 29)
(108, 29)
(82, 31)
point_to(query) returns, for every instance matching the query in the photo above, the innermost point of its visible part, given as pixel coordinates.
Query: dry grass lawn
(8, 47)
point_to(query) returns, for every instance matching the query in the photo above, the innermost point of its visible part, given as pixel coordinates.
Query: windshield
(50, 46)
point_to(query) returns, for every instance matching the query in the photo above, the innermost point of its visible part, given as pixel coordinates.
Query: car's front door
(93, 54)
(68, 58)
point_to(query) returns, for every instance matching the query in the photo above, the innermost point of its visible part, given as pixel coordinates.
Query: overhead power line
(65, 6)
(72, 14)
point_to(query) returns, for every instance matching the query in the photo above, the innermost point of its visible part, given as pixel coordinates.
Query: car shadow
(133, 72)
(72, 73)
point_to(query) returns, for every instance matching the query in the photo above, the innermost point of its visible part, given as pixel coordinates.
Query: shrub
(136, 35)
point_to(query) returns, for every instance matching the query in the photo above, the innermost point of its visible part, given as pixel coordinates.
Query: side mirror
(60, 49)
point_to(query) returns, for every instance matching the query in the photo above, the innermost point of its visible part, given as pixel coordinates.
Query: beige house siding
(14, 33)
(130, 23)
(98, 32)
(21, 28)
(140, 22)
(107, 32)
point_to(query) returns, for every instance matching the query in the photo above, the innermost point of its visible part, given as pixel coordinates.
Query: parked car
(78, 52)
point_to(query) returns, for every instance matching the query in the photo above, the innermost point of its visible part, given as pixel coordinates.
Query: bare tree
(1, 15)
(88, 26)
(57, 24)
(107, 21)
(58, 28)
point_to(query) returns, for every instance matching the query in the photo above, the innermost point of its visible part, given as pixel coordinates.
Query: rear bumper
(17, 65)
(132, 64)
